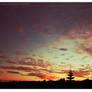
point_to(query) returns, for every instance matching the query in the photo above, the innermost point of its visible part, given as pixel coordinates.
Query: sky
(42, 41)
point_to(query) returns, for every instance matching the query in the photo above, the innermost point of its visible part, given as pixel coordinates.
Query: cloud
(33, 62)
(50, 71)
(11, 62)
(80, 73)
(4, 57)
(20, 68)
(6, 60)
(35, 74)
(27, 61)
(26, 69)
(86, 48)
(63, 49)
(89, 50)
(23, 58)
(42, 76)
(13, 72)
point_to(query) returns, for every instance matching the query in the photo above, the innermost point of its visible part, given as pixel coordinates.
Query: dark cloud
(4, 57)
(63, 49)
(26, 69)
(20, 68)
(13, 72)
(36, 74)
(10, 62)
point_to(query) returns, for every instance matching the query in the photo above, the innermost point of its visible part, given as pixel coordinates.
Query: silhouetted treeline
(60, 84)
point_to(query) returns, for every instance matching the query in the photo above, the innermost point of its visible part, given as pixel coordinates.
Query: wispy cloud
(20, 68)
(42, 76)
(13, 72)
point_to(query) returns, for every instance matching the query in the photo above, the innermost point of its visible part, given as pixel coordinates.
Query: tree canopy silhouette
(70, 76)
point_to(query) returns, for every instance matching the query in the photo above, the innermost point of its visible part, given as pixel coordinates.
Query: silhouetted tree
(70, 76)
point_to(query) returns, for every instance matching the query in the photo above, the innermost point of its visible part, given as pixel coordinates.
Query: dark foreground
(61, 84)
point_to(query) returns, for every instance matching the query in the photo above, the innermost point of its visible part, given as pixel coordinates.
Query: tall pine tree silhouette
(70, 75)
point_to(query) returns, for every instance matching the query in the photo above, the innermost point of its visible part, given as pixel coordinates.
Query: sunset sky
(41, 41)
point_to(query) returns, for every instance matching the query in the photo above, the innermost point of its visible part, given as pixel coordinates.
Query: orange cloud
(42, 76)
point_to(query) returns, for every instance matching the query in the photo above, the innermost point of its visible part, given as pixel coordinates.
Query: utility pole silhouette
(70, 75)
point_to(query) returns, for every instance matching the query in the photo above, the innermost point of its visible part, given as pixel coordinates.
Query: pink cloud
(33, 62)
